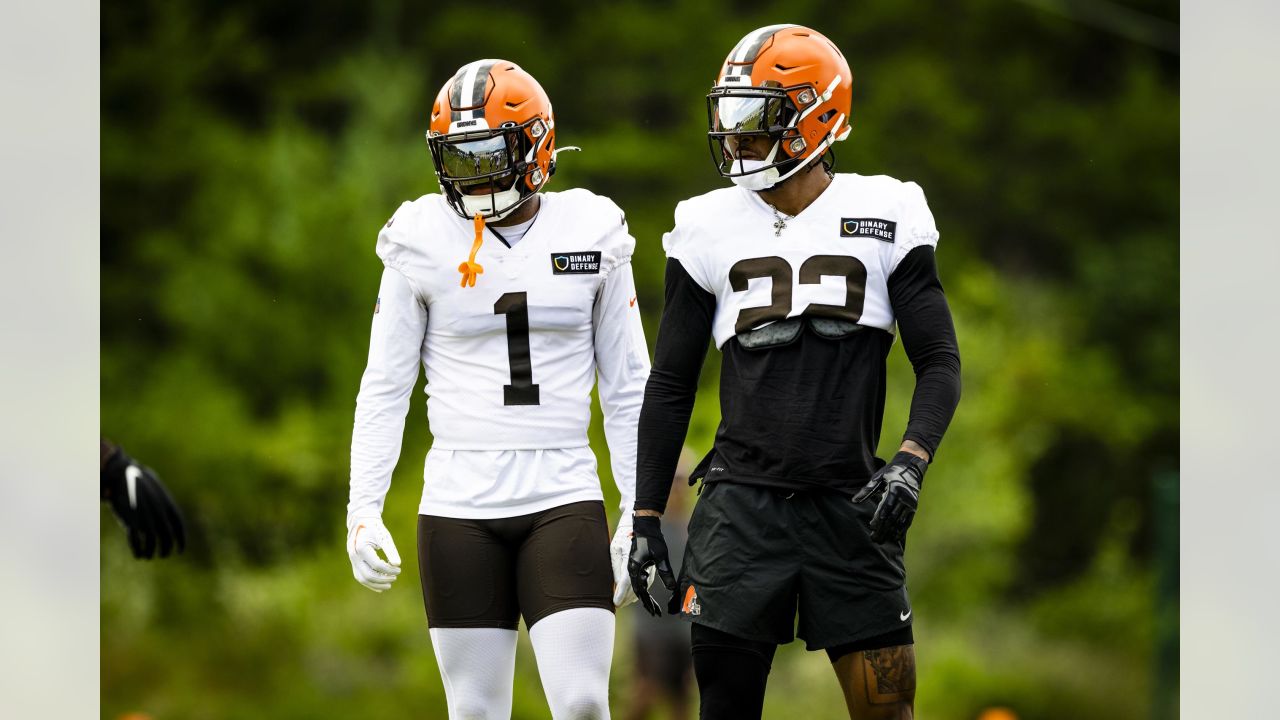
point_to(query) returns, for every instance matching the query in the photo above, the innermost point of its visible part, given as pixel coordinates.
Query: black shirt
(802, 414)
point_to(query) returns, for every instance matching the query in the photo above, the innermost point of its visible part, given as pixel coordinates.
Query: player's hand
(619, 551)
(143, 505)
(649, 552)
(900, 481)
(365, 538)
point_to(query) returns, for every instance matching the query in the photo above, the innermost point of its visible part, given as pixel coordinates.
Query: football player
(802, 277)
(516, 302)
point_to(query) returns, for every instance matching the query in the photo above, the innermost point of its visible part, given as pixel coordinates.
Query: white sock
(574, 649)
(477, 666)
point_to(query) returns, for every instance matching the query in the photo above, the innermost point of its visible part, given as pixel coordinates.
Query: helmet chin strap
(754, 177)
(758, 180)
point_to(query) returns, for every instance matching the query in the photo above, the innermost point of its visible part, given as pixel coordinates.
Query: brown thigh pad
(489, 572)
(564, 562)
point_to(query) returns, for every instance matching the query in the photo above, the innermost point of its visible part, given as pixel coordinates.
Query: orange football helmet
(492, 139)
(787, 82)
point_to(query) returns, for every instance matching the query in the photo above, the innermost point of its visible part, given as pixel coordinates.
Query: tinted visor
(757, 110)
(480, 158)
(748, 114)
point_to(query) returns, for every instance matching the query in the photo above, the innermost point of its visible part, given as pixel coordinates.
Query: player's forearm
(915, 448)
(620, 432)
(933, 404)
(929, 338)
(622, 365)
(683, 337)
(375, 447)
(378, 429)
(664, 420)
(936, 360)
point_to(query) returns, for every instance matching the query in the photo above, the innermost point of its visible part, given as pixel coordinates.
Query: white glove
(619, 551)
(365, 538)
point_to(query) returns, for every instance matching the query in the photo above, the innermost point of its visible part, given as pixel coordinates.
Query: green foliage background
(251, 151)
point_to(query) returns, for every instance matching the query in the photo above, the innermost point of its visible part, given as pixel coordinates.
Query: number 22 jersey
(510, 362)
(804, 310)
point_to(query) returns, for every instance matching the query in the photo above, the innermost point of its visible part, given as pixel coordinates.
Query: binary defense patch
(868, 227)
(577, 263)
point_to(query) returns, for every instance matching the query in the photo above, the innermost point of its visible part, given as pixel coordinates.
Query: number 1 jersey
(510, 362)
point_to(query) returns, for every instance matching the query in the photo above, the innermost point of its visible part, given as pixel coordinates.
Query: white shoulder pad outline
(916, 225)
(692, 237)
(917, 216)
(601, 220)
(619, 244)
(399, 237)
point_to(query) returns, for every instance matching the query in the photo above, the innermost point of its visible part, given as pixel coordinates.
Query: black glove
(141, 503)
(900, 480)
(648, 548)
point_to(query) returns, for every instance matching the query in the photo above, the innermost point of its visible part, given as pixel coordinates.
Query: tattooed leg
(879, 684)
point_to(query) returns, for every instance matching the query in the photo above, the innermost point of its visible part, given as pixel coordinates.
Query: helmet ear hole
(824, 117)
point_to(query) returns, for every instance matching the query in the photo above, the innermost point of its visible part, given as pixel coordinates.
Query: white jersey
(510, 362)
(838, 252)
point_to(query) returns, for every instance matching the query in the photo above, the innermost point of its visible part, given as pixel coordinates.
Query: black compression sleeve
(732, 672)
(673, 382)
(929, 338)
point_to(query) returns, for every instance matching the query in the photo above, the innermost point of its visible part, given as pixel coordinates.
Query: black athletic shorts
(489, 573)
(756, 555)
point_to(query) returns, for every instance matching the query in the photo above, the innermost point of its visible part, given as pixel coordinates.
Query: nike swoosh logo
(131, 475)
(903, 616)
(633, 302)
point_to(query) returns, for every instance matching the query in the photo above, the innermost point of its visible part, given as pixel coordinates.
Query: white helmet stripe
(468, 88)
(479, 80)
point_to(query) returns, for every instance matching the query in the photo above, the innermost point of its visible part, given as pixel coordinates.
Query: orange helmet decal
(785, 81)
(492, 138)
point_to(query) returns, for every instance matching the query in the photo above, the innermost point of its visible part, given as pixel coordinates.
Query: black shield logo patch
(576, 263)
(882, 230)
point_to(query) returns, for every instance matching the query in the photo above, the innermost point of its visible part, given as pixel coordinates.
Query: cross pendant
(778, 226)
